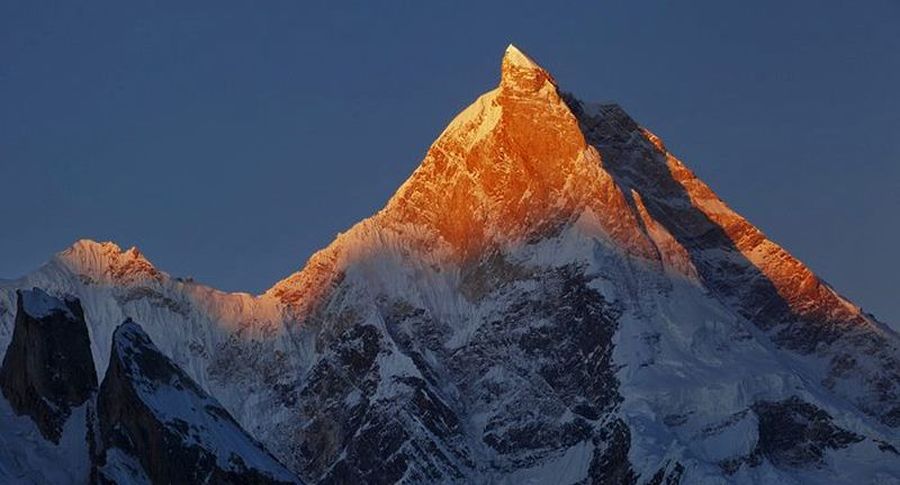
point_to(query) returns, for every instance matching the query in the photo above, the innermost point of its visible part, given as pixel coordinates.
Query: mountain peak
(521, 74)
(511, 166)
(516, 57)
(107, 262)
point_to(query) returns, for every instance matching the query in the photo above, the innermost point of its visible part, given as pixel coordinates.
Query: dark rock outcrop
(48, 368)
(155, 421)
(793, 432)
(670, 474)
(352, 436)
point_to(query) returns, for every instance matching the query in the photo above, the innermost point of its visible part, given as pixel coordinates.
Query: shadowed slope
(740, 265)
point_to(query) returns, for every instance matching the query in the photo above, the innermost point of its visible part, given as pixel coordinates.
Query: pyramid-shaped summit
(515, 57)
(519, 73)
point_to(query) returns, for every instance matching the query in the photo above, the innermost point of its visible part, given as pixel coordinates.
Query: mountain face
(48, 385)
(48, 368)
(551, 297)
(151, 414)
(149, 423)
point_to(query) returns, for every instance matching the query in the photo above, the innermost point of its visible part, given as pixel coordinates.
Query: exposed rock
(610, 461)
(670, 474)
(151, 414)
(48, 368)
(794, 433)
(365, 422)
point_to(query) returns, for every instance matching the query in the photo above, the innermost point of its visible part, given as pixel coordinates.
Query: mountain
(147, 423)
(153, 419)
(48, 383)
(551, 297)
(48, 368)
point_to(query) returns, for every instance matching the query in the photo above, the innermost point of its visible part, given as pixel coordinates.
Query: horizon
(189, 179)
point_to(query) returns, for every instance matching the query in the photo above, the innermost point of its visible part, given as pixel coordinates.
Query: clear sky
(230, 140)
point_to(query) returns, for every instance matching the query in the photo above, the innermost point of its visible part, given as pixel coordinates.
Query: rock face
(551, 297)
(151, 414)
(795, 433)
(48, 368)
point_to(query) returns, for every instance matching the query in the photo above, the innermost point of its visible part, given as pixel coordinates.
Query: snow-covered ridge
(106, 262)
(39, 304)
(187, 320)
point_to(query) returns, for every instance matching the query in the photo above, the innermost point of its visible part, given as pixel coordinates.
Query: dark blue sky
(230, 140)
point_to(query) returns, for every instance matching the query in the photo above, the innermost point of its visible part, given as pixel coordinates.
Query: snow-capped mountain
(551, 297)
(148, 422)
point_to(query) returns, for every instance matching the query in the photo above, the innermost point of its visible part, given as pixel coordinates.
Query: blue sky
(230, 140)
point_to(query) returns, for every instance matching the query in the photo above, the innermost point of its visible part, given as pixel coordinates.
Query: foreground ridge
(156, 424)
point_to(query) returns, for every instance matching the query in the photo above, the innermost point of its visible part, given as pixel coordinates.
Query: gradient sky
(230, 141)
